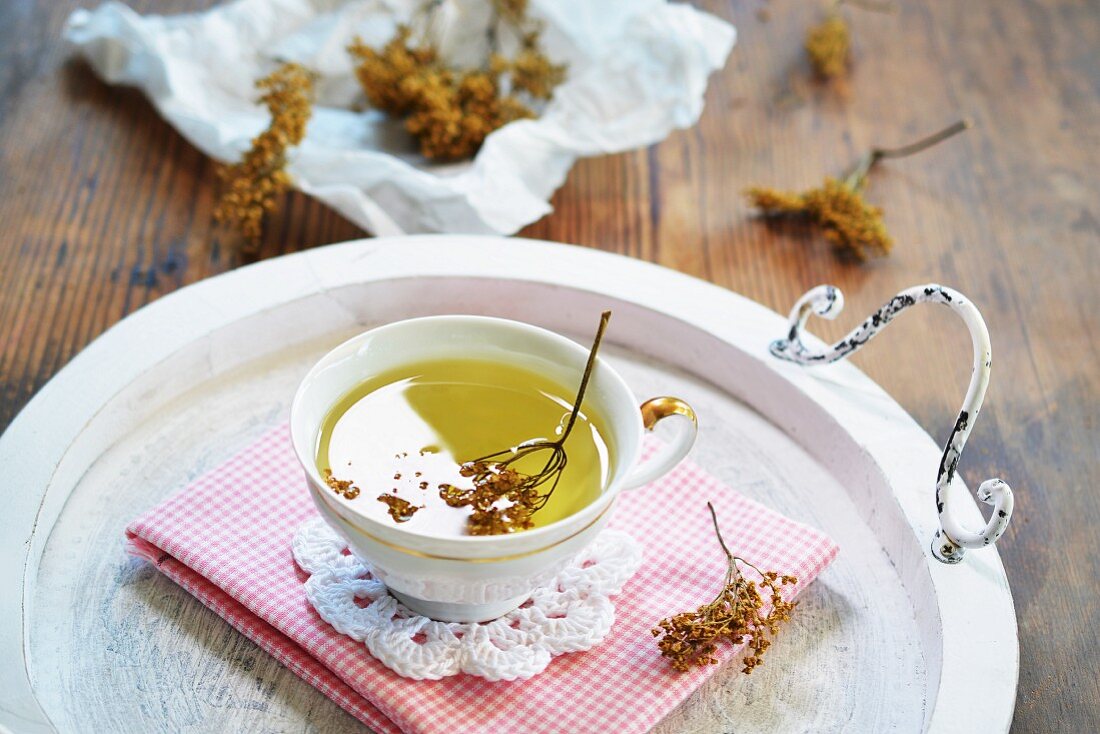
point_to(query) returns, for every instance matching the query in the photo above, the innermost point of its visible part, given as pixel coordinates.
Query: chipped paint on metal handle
(952, 539)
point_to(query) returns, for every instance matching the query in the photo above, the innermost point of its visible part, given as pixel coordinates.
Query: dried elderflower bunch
(837, 206)
(451, 119)
(451, 111)
(252, 185)
(848, 221)
(735, 616)
(829, 45)
(495, 482)
(383, 74)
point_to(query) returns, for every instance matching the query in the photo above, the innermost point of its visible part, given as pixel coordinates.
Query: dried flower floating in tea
(837, 206)
(450, 111)
(251, 186)
(735, 616)
(401, 510)
(493, 483)
(342, 487)
(503, 499)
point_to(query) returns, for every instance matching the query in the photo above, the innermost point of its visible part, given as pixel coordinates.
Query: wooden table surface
(104, 208)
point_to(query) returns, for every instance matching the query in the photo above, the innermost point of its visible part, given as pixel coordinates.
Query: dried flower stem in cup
(837, 206)
(496, 480)
(735, 616)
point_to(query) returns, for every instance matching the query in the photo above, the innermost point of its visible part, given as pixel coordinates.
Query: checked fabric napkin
(226, 539)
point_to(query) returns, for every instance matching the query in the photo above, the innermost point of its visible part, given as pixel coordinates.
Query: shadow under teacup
(466, 578)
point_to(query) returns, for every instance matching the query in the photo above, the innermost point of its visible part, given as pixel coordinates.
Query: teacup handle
(653, 412)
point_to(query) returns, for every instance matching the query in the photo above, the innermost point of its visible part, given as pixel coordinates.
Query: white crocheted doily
(572, 613)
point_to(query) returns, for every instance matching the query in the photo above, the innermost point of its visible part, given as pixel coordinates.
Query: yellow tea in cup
(401, 436)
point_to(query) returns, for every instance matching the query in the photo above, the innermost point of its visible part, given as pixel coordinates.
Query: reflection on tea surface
(404, 433)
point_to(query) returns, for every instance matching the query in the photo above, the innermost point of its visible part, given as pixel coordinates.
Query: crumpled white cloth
(571, 613)
(637, 70)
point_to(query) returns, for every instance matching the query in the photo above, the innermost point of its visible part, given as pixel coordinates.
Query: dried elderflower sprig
(828, 46)
(504, 499)
(837, 206)
(451, 119)
(848, 222)
(829, 43)
(736, 616)
(387, 76)
(251, 186)
(451, 111)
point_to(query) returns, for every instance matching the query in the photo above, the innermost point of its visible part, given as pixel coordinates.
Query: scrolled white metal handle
(952, 539)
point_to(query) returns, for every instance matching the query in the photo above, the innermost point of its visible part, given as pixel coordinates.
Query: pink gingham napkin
(226, 539)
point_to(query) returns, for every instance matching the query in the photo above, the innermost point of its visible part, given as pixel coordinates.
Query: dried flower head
(511, 11)
(452, 118)
(501, 501)
(828, 45)
(848, 222)
(736, 616)
(530, 71)
(251, 186)
(838, 207)
(401, 510)
(450, 111)
(342, 487)
(382, 73)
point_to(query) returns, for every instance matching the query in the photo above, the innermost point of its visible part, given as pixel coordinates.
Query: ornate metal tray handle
(952, 539)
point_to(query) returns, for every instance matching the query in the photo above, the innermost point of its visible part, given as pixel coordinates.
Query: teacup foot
(448, 612)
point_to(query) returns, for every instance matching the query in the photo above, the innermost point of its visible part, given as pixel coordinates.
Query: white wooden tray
(888, 639)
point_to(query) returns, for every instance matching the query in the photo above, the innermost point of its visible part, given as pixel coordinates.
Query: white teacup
(477, 578)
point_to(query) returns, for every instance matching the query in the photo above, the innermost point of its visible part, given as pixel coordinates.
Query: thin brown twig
(854, 180)
(718, 531)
